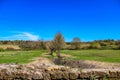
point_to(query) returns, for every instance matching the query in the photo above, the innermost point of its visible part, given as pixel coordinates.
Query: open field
(96, 55)
(28, 56)
(19, 56)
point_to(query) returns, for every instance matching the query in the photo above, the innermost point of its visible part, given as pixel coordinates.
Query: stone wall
(45, 72)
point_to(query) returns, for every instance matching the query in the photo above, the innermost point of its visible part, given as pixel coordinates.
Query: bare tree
(58, 43)
(50, 46)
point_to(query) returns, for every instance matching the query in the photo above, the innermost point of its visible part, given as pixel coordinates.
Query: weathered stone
(53, 75)
(66, 75)
(85, 74)
(59, 75)
(99, 74)
(37, 75)
(65, 68)
(73, 75)
(118, 74)
(46, 76)
(113, 74)
(54, 72)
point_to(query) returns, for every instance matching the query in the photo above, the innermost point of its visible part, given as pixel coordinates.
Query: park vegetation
(98, 50)
(58, 43)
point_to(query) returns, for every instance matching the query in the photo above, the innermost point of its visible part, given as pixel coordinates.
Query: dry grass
(9, 46)
(105, 65)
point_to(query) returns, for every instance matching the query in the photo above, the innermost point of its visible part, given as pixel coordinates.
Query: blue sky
(42, 19)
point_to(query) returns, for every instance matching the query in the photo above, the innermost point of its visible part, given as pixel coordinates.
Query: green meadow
(96, 55)
(28, 56)
(19, 56)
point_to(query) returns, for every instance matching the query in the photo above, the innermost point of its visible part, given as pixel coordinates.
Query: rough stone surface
(53, 72)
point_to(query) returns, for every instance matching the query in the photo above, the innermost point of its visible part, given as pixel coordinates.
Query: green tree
(58, 43)
(95, 45)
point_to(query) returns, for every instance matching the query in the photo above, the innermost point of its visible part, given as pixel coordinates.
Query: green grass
(96, 55)
(19, 56)
(28, 56)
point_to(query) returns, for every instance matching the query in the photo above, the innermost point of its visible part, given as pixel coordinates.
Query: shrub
(1, 50)
(95, 45)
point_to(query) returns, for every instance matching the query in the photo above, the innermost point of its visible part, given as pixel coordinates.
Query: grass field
(97, 55)
(19, 56)
(28, 56)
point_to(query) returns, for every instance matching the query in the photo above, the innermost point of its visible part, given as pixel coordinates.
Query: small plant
(93, 77)
(105, 78)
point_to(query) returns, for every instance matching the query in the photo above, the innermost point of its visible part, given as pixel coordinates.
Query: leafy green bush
(95, 45)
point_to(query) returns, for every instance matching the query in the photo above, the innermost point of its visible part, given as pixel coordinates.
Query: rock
(53, 75)
(37, 76)
(73, 74)
(118, 74)
(46, 76)
(59, 74)
(53, 72)
(84, 74)
(113, 74)
(99, 74)
(66, 75)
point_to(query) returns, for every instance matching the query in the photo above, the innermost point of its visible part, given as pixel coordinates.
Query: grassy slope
(18, 56)
(97, 55)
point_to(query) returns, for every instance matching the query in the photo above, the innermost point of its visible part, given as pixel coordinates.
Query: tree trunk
(51, 52)
(58, 54)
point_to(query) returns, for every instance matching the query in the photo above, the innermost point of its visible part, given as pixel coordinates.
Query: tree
(58, 43)
(76, 43)
(43, 45)
(50, 46)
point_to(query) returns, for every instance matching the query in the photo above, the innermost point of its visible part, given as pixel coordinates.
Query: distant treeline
(76, 44)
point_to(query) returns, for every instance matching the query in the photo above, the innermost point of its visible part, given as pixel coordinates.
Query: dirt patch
(43, 61)
(67, 56)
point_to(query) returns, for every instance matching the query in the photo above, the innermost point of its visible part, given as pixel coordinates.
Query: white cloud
(21, 36)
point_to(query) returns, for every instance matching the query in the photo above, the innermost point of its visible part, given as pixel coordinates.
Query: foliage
(31, 45)
(95, 45)
(75, 43)
(58, 43)
(93, 77)
(1, 50)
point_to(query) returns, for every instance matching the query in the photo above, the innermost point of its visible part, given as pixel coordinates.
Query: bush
(95, 45)
(1, 50)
